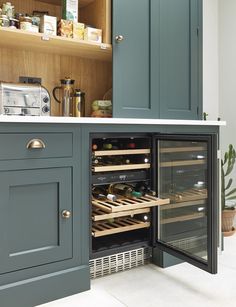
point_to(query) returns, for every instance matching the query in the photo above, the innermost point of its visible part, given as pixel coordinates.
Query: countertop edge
(104, 121)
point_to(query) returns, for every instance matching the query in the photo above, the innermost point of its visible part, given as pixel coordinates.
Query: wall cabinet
(156, 70)
(157, 63)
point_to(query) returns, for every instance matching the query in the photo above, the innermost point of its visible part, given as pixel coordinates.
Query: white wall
(227, 76)
(227, 61)
(211, 59)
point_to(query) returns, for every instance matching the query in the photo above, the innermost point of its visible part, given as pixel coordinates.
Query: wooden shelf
(121, 152)
(23, 40)
(182, 149)
(184, 204)
(101, 215)
(188, 195)
(82, 3)
(123, 167)
(100, 229)
(183, 218)
(123, 204)
(182, 163)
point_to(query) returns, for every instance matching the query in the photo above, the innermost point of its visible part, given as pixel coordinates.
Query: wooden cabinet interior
(93, 76)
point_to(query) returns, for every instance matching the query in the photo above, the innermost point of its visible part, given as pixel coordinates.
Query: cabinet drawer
(16, 146)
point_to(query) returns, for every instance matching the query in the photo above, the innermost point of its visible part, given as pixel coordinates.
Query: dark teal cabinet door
(176, 58)
(157, 66)
(131, 60)
(33, 230)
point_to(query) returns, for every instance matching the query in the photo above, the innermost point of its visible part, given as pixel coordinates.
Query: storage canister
(79, 103)
(4, 21)
(25, 23)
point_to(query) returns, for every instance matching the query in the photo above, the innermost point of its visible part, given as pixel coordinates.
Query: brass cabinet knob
(66, 214)
(35, 144)
(119, 38)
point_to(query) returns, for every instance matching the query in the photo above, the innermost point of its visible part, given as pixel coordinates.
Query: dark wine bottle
(144, 189)
(124, 190)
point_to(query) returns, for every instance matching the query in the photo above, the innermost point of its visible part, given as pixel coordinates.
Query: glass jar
(4, 21)
(14, 23)
(25, 23)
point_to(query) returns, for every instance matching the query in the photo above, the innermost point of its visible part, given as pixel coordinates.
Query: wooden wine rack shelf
(121, 152)
(183, 218)
(182, 163)
(101, 215)
(123, 167)
(182, 149)
(100, 229)
(188, 195)
(124, 204)
(184, 204)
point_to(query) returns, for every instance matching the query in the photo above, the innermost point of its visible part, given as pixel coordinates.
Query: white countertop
(114, 121)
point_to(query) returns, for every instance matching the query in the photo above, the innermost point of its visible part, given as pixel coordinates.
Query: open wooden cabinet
(53, 58)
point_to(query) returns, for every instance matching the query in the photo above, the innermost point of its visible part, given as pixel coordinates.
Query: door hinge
(198, 30)
(197, 111)
(219, 154)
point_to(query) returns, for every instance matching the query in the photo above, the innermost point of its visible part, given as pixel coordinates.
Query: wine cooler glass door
(187, 227)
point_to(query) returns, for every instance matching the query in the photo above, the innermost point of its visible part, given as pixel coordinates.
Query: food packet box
(65, 28)
(48, 25)
(78, 30)
(70, 9)
(93, 34)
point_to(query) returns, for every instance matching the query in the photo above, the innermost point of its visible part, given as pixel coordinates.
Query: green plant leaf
(229, 184)
(231, 192)
(225, 158)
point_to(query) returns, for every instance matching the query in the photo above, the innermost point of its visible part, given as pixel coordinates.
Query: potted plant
(228, 212)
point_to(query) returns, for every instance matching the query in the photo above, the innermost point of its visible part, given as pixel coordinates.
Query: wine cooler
(152, 192)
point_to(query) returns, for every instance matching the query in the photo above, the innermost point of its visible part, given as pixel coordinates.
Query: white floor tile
(149, 286)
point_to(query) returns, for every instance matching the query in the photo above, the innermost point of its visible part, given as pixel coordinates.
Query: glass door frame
(212, 201)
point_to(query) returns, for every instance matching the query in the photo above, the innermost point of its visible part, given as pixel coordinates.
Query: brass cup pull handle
(119, 38)
(66, 214)
(35, 144)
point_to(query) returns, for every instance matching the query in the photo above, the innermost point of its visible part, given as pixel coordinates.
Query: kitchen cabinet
(53, 242)
(44, 243)
(157, 59)
(35, 228)
(152, 61)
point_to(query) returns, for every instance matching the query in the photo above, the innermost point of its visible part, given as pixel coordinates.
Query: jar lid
(67, 81)
(78, 92)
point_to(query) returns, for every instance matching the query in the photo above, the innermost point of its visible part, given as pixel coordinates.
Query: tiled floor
(149, 286)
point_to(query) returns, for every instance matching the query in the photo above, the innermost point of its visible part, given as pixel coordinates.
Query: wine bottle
(107, 146)
(96, 161)
(94, 147)
(116, 160)
(124, 190)
(144, 189)
(140, 159)
(101, 193)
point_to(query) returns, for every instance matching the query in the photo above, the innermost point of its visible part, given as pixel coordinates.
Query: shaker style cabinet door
(131, 60)
(35, 221)
(176, 58)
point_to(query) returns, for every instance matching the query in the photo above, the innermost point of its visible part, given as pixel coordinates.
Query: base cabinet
(35, 232)
(51, 227)
(42, 223)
